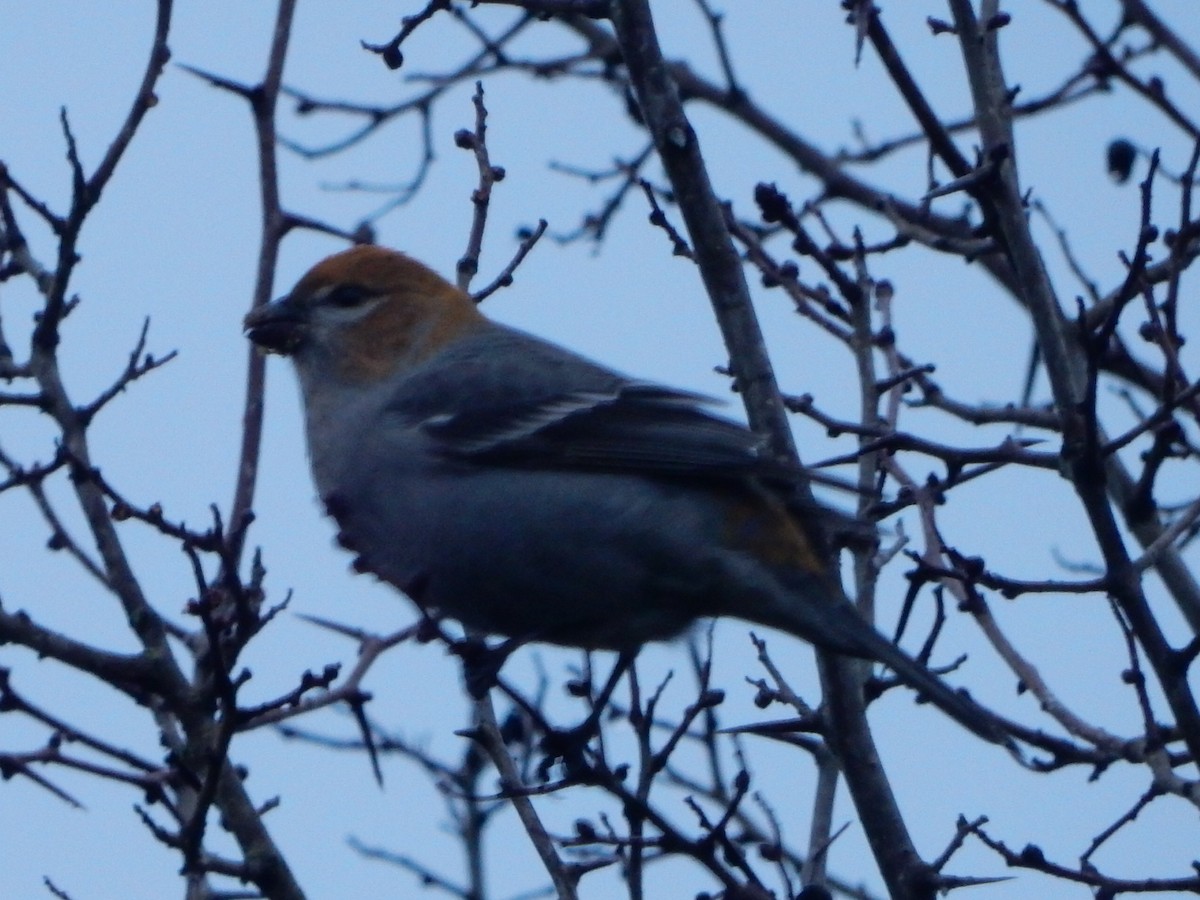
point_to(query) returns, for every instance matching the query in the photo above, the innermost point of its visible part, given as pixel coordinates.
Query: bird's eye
(347, 296)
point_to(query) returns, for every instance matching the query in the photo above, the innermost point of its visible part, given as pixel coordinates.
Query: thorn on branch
(658, 218)
(245, 91)
(390, 52)
(996, 22)
(476, 142)
(528, 237)
(939, 26)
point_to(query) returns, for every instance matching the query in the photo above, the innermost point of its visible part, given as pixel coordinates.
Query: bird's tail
(837, 626)
(956, 703)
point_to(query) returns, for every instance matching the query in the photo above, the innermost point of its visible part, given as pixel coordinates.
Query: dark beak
(276, 327)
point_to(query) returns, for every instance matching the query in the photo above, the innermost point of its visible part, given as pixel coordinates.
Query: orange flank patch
(760, 524)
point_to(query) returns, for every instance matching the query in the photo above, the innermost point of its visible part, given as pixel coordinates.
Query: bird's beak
(276, 327)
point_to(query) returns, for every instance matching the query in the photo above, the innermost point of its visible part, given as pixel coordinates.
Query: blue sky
(175, 239)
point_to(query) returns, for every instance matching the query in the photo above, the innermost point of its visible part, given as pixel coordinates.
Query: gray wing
(629, 426)
(632, 427)
(497, 400)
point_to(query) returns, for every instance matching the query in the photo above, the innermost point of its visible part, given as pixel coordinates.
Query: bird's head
(366, 312)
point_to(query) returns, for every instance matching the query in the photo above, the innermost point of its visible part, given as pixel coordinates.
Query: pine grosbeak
(508, 483)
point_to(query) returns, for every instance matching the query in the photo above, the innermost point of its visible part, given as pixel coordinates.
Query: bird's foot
(482, 662)
(568, 746)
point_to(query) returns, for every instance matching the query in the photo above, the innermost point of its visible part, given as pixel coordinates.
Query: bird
(511, 484)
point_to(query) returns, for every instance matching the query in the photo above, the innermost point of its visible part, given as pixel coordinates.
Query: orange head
(368, 311)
